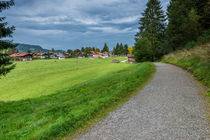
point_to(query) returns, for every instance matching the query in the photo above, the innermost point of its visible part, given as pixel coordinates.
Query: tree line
(184, 23)
(86, 50)
(120, 49)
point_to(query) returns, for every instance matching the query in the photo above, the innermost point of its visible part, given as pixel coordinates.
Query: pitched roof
(19, 54)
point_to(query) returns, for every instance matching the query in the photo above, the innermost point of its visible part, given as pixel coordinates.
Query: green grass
(38, 78)
(195, 60)
(76, 98)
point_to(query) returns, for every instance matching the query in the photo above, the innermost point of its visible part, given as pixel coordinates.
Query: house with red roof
(21, 56)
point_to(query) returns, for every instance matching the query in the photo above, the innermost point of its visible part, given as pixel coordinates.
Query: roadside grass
(44, 77)
(67, 110)
(195, 60)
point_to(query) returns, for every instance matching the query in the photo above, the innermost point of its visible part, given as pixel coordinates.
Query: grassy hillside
(38, 78)
(76, 97)
(196, 60)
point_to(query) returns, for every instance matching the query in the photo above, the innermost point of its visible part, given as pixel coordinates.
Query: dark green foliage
(60, 114)
(203, 11)
(187, 21)
(143, 50)
(204, 38)
(5, 32)
(105, 49)
(152, 27)
(120, 49)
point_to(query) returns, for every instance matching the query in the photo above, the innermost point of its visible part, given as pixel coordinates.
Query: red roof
(19, 54)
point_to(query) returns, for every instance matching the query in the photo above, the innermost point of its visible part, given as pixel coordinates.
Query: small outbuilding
(131, 58)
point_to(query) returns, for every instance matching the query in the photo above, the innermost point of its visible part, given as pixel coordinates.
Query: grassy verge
(60, 114)
(195, 60)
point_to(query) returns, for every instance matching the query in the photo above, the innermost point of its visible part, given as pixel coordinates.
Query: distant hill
(24, 48)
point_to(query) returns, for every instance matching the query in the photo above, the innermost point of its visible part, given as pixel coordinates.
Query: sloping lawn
(64, 109)
(38, 78)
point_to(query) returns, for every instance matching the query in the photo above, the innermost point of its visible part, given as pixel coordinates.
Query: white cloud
(111, 29)
(129, 19)
(43, 32)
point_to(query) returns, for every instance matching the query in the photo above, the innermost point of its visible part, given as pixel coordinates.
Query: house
(40, 55)
(67, 54)
(60, 56)
(80, 55)
(90, 54)
(105, 54)
(97, 55)
(53, 55)
(131, 58)
(22, 56)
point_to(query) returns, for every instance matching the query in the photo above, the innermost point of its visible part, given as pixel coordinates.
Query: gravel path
(168, 108)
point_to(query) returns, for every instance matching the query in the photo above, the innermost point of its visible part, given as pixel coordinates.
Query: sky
(72, 24)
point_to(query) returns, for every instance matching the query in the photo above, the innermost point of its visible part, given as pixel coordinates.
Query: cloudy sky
(71, 24)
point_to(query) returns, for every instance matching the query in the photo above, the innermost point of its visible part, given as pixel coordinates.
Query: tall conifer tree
(152, 26)
(5, 32)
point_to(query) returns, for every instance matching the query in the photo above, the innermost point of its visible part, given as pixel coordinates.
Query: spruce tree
(152, 26)
(5, 32)
(105, 49)
(121, 51)
(183, 22)
(117, 49)
(125, 49)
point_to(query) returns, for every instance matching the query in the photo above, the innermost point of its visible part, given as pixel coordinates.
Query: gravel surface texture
(170, 107)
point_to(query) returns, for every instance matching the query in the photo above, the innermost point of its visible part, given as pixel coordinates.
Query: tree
(5, 62)
(94, 49)
(82, 49)
(98, 50)
(143, 51)
(105, 49)
(203, 10)
(53, 50)
(152, 26)
(183, 22)
(117, 49)
(125, 49)
(121, 51)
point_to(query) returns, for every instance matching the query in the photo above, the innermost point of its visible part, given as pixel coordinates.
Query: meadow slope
(99, 85)
(44, 77)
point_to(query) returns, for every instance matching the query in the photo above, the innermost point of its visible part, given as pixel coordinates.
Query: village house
(90, 54)
(60, 56)
(40, 55)
(21, 56)
(53, 55)
(80, 55)
(97, 55)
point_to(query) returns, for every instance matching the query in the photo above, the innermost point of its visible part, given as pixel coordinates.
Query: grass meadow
(52, 99)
